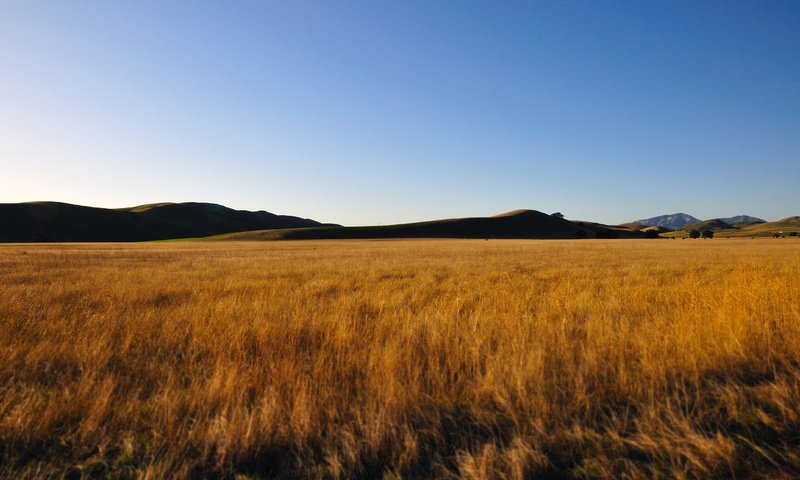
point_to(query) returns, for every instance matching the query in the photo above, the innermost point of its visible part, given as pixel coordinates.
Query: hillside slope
(743, 219)
(517, 224)
(766, 229)
(640, 227)
(742, 229)
(713, 224)
(63, 222)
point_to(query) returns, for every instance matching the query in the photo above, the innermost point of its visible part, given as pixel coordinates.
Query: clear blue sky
(381, 112)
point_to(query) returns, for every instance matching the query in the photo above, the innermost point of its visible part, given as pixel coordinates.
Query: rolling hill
(713, 224)
(516, 224)
(766, 229)
(640, 227)
(742, 219)
(63, 222)
(742, 229)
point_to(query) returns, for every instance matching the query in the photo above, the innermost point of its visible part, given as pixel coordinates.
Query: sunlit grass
(473, 359)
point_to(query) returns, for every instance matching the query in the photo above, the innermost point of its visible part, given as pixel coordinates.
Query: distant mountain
(64, 222)
(742, 219)
(675, 220)
(516, 224)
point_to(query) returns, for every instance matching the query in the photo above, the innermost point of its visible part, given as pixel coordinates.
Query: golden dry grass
(401, 359)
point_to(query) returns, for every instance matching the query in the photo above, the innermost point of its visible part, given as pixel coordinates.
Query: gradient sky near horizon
(385, 112)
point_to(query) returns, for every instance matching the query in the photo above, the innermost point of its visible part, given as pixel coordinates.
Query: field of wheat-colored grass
(401, 359)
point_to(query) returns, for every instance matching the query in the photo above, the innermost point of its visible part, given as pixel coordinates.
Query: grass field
(401, 359)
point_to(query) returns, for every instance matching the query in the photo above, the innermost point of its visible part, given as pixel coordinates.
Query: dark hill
(64, 222)
(713, 224)
(744, 224)
(743, 219)
(517, 224)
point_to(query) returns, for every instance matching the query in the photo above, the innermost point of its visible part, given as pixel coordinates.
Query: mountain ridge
(671, 220)
(680, 220)
(64, 222)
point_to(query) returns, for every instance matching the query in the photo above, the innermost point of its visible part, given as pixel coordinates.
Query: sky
(386, 112)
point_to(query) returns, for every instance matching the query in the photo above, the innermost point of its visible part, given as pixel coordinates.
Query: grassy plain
(401, 359)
